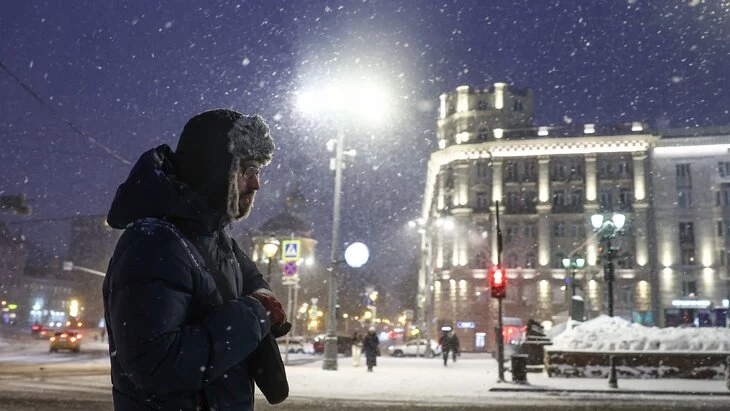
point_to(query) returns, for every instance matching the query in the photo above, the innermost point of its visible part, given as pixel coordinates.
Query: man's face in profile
(248, 182)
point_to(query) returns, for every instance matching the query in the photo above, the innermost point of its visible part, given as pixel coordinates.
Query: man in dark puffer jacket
(174, 343)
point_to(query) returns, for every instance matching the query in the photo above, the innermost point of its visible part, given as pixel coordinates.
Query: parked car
(65, 340)
(344, 345)
(413, 348)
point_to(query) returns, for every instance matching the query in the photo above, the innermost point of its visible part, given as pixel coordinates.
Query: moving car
(413, 348)
(39, 331)
(65, 340)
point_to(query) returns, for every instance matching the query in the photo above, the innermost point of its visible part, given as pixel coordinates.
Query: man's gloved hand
(273, 307)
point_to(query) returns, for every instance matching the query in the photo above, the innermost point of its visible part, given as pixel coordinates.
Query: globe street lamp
(342, 100)
(271, 247)
(605, 230)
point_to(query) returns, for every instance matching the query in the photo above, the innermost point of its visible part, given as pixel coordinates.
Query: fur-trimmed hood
(198, 181)
(212, 147)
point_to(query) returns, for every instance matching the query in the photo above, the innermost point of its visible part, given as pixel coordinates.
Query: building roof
(285, 224)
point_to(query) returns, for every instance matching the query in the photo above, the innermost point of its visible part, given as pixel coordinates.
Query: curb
(619, 391)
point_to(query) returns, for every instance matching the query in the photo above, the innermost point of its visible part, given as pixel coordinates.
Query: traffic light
(498, 282)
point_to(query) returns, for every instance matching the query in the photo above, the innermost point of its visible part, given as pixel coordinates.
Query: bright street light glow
(356, 99)
(73, 309)
(447, 224)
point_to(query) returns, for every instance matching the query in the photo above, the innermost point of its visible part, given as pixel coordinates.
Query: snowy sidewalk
(468, 381)
(472, 380)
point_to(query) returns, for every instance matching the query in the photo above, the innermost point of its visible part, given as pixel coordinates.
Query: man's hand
(273, 307)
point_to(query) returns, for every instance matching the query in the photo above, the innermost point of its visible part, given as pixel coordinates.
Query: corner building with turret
(548, 182)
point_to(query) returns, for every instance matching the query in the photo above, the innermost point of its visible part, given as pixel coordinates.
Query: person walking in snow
(445, 342)
(370, 346)
(454, 345)
(184, 306)
(356, 349)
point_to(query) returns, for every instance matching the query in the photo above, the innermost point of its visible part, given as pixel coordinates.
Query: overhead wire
(63, 119)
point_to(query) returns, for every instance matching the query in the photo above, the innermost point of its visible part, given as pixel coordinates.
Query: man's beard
(245, 205)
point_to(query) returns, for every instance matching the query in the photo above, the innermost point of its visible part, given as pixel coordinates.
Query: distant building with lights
(691, 191)
(291, 224)
(548, 181)
(92, 245)
(33, 288)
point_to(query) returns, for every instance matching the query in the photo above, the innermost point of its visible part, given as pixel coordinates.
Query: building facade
(92, 245)
(291, 225)
(33, 287)
(548, 182)
(691, 189)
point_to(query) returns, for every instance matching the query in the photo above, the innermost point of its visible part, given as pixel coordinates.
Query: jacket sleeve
(149, 304)
(252, 278)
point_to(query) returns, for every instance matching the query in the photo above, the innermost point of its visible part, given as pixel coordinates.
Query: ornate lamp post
(605, 230)
(271, 247)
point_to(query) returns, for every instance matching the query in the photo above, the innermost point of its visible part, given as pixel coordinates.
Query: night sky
(129, 75)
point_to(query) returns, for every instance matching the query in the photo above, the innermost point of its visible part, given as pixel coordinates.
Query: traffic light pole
(500, 325)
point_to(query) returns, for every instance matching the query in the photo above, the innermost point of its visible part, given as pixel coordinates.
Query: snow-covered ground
(27, 350)
(616, 334)
(471, 380)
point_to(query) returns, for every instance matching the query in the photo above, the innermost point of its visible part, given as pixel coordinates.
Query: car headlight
(391, 348)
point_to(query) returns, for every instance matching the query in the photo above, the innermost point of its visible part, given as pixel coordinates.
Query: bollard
(519, 368)
(612, 380)
(727, 372)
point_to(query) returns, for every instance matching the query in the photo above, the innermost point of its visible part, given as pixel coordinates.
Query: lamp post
(69, 265)
(424, 297)
(573, 264)
(607, 229)
(271, 247)
(343, 100)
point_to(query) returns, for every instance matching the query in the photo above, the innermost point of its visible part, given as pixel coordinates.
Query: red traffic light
(497, 282)
(498, 277)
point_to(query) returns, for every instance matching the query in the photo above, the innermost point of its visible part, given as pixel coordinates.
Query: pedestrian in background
(356, 349)
(445, 342)
(454, 344)
(370, 345)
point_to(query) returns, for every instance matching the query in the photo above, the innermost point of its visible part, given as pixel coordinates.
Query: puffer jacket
(174, 345)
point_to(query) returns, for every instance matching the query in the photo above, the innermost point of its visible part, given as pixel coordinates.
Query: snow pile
(605, 333)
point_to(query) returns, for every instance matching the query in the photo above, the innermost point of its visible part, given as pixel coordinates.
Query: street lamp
(574, 264)
(342, 100)
(69, 265)
(605, 230)
(271, 247)
(424, 283)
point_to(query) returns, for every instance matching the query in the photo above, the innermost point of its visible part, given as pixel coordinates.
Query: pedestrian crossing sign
(290, 250)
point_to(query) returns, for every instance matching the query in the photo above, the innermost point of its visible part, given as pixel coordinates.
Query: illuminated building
(691, 192)
(548, 181)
